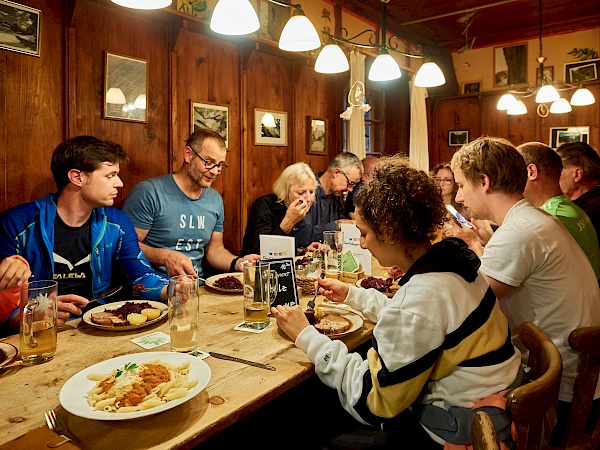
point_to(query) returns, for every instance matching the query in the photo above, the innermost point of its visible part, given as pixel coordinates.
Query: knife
(240, 360)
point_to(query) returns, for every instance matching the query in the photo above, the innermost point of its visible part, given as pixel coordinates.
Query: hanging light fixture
(384, 67)
(545, 92)
(143, 4)
(331, 59)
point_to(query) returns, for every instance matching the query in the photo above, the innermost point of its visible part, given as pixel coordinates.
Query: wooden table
(234, 389)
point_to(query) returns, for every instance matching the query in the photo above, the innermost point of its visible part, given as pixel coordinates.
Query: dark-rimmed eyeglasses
(350, 183)
(210, 165)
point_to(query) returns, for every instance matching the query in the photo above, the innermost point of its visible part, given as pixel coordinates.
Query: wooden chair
(528, 404)
(585, 341)
(483, 433)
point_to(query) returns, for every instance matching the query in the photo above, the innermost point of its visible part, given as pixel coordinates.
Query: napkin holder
(40, 438)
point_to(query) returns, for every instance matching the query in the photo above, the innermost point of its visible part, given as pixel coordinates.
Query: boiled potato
(136, 319)
(151, 313)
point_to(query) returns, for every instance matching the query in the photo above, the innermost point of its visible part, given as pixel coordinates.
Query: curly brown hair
(401, 203)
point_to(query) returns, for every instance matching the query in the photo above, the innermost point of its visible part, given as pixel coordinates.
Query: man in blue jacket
(75, 236)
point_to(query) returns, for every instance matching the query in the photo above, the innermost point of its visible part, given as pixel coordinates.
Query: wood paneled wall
(46, 100)
(478, 115)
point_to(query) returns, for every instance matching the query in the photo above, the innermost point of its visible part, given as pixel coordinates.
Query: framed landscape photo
(471, 87)
(316, 137)
(270, 127)
(458, 138)
(510, 65)
(20, 28)
(562, 135)
(582, 70)
(211, 117)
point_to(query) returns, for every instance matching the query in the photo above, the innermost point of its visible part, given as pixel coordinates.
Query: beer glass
(184, 312)
(260, 289)
(39, 314)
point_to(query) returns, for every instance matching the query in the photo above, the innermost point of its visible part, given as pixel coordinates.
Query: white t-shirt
(556, 288)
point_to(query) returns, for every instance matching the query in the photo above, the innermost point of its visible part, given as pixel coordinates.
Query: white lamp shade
(234, 18)
(547, 94)
(582, 97)
(518, 108)
(268, 120)
(331, 59)
(116, 96)
(143, 4)
(299, 35)
(560, 106)
(505, 102)
(140, 101)
(384, 68)
(429, 75)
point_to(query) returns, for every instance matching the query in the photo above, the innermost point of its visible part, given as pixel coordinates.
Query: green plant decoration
(583, 54)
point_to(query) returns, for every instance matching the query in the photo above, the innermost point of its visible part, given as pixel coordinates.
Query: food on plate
(118, 317)
(229, 282)
(380, 284)
(134, 387)
(151, 313)
(332, 324)
(313, 314)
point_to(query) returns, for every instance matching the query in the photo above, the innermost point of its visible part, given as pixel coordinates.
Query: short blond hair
(292, 175)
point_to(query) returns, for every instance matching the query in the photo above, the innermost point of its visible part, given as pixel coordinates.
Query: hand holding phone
(458, 216)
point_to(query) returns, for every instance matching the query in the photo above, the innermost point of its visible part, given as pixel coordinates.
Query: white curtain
(418, 148)
(356, 126)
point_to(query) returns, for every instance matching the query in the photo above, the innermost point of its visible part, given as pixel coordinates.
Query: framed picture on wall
(458, 138)
(510, 65)
(316, 136)
(562, 135)
(211, 117)
(20, 28)
(125, 88)
(582, 70)
(270, 127)
(471, 87)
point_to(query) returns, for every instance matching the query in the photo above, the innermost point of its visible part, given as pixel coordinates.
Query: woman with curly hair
(440, 345)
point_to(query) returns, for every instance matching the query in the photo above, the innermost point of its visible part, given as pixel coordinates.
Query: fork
(311, 303)
(58, 426)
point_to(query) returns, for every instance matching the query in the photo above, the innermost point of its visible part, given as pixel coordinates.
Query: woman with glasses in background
(444, 178)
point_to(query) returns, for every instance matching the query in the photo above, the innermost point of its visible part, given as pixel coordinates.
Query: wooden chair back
(585, 341)
(483, 433)
(527, 405)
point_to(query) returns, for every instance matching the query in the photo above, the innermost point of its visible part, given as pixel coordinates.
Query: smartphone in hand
(458, 216)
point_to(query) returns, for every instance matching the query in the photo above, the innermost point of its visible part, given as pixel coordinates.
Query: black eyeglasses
(350, 183)
(210, 165)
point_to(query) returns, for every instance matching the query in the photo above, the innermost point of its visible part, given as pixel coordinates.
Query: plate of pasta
(134, 386)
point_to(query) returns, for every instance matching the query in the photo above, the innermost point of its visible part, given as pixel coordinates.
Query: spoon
(311, 303)
(105, 294)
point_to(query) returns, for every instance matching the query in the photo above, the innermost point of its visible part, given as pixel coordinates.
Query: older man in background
(368, 166)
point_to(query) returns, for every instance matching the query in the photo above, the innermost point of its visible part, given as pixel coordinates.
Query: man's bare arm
(176, 263)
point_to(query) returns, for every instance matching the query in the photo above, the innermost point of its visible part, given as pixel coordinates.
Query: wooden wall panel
(31, 111)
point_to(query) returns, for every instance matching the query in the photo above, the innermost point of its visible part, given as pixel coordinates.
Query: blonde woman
(281, 213)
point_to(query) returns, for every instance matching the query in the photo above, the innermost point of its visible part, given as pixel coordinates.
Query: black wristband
(233, 263)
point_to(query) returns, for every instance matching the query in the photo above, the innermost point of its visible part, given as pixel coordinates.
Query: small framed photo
(211, 117)
(270, 127)
(316, 136)
(562, 135)
(458, 138)
(510, 65)
(125, 88)
(20, 28)
(548, 75)
(582, 70)
(471, 87)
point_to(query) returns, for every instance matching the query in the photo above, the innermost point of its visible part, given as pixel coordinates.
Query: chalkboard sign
(288, 293)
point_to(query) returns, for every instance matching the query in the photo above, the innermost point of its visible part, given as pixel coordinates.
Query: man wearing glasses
(179, 218)
(343, 173)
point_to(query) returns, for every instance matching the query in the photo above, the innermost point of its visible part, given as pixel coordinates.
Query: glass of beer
(39, 314)
(333, 242)
(260, 289)
(184, 313)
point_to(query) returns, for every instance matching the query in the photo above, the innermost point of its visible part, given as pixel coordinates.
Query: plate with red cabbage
(227, 282)
(387, 286)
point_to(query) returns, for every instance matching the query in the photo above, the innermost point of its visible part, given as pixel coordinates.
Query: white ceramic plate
(87, 317)
(355, 320)
(8, 353)
(73, 395)
(389, 294)
(210, 282)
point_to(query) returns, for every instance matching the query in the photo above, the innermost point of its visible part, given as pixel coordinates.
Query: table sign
(352, 244)
(273, 246)
(288, 292)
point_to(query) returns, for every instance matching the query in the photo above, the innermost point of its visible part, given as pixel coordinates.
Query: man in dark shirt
(580, 178)
(342, 174)
(368, 165)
